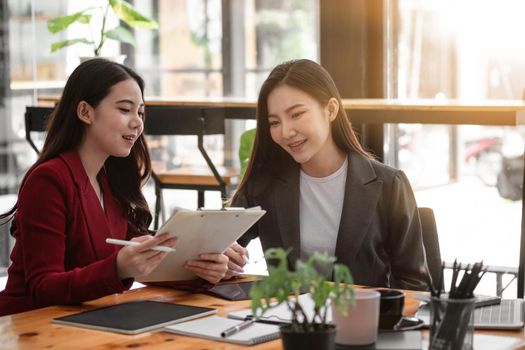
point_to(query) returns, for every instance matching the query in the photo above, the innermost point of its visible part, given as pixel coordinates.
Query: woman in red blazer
(86, 187)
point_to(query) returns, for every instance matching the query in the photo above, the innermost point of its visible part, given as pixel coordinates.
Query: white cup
(360, 326)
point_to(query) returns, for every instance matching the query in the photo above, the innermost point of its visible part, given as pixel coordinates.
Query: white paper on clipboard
(200, 231)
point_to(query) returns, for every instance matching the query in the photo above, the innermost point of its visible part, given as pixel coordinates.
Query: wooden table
(368, 116)
(370, 111)
(34, 330)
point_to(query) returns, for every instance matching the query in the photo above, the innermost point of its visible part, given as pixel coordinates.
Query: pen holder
(451, 324)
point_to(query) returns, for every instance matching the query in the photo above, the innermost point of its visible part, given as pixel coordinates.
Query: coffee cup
(359, 327)
(391, 308)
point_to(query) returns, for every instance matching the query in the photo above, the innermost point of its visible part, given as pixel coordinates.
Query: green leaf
(199, 40)
(245, 149)
(129, 14)
(285, 286)
(121, 34)
(60, 44)
(58, 24)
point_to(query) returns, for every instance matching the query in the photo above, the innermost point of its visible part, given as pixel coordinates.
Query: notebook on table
(212, 327)
(134, 317)
(280, 314)
(508, 314)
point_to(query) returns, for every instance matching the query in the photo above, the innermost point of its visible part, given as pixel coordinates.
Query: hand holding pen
(160, 248)
(140, 257)
(239, 257)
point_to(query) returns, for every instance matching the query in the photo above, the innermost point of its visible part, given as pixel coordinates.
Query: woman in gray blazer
(322, 191)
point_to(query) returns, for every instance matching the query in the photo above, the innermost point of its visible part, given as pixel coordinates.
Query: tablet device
(231, 291)
(198, 232)
(134, 317)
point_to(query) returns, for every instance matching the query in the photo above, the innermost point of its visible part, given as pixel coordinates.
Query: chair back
(185, 120)
(169, 120)
(431, 242)
(36, 119)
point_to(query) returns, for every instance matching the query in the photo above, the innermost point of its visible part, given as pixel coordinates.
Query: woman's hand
(238, 257)
(211, 267)
(139, 260)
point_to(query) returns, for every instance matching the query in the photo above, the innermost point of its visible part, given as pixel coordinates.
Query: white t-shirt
(320, 206)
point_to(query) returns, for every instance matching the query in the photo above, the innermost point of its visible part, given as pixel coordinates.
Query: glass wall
(202, 49)
(470, 175)
(182, 59)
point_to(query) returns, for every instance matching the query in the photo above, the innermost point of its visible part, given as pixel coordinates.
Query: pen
(237, 328)
(159, 248)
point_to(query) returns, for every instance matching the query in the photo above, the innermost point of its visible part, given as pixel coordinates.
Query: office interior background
(400, 49)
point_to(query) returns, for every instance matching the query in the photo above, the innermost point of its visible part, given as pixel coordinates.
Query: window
(469, 175)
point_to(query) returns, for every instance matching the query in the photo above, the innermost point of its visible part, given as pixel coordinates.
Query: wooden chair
(163, 120)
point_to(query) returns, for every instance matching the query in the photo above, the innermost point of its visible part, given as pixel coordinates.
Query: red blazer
(60, 255)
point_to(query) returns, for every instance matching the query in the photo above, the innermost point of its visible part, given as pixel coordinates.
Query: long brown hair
(308, 76)
(92, 81)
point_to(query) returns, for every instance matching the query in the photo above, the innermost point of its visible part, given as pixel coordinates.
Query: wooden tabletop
(178, 101)
(34, 330)
(378, 111)
(350, 103)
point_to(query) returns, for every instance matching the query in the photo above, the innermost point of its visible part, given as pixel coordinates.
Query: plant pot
(118, 59)
(317, 340)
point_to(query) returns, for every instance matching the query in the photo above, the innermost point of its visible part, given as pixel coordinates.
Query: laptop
(508, 314)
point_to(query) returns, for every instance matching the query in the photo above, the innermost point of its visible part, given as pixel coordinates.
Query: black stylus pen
(237, 328)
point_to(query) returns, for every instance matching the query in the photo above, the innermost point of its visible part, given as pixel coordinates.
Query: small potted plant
(98, 36)
(309, 328)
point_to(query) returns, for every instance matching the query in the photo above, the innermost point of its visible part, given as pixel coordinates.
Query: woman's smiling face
(118, 121)
(299, 124)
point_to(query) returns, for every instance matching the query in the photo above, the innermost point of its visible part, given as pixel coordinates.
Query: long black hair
(92, 81)
(311, 78)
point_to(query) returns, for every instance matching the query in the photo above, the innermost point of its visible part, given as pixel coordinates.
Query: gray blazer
(379, 236)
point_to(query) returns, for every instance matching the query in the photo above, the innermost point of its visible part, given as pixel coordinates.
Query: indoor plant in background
(98, 35)
(309, 328)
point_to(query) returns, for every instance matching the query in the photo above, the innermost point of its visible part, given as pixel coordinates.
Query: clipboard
(200, 231)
